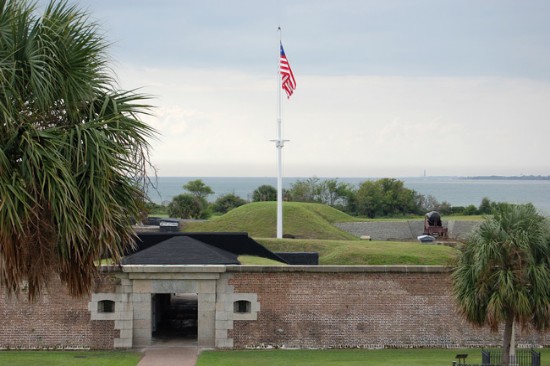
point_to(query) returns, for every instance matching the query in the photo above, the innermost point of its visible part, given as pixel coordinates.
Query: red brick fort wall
(54, 321)
(362, 309)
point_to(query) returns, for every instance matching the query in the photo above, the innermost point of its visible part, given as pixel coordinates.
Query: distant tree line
(386, 197)
(514, 177)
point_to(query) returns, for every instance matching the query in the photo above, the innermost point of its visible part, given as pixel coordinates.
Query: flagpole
(279, 144)
(287, 82)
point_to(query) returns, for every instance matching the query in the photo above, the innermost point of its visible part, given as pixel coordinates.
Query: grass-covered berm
(312, 226)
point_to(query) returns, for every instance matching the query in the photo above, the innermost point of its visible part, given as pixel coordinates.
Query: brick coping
(277, 269)
(340, 269)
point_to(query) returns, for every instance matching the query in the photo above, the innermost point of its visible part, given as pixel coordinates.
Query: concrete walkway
(170, 351)
(169, 356)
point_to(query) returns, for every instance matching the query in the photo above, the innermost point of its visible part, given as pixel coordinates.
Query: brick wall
(363, 309)
(295, 307)
(55, 320)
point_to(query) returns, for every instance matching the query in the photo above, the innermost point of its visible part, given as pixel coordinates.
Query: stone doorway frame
(146, 280)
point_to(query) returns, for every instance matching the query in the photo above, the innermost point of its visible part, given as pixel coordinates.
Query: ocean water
(455, 190)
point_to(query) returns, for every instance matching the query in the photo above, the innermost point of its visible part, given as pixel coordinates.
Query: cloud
(219, 122)
(384, 88)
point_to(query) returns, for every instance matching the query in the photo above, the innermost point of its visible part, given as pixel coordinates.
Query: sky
(384, 88)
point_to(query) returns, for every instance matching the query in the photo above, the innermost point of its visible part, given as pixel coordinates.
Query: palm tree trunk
(513, 361)
(507, 341)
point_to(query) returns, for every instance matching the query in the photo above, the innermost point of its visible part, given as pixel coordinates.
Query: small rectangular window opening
(241, 306)
(106, 306)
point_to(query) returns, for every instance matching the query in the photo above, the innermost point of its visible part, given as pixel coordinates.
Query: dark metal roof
(195, 248)
(181, 250)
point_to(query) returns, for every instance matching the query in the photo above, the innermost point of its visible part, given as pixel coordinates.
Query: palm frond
(502, 272)
(73, 149)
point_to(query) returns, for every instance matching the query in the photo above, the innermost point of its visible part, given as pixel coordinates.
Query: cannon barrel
(434, 218)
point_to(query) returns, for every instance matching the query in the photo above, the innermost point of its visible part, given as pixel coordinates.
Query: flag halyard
(288, 82)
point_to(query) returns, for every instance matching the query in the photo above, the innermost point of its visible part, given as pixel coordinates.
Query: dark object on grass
(426, 239)
(461, 357)
(300, 258)
(433, 218)
(433, 225)
(169, 225)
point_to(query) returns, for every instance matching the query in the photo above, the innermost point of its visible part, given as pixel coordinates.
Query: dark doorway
(175, 316)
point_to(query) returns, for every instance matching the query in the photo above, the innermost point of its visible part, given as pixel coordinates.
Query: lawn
(69, 358)
(355, 252)
(385, 357)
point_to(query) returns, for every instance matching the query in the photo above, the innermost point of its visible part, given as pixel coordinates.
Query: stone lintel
(179, 268)
(173, 276)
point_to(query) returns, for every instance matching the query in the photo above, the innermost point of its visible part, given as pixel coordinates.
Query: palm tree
(264, 193)
(73, 150)
(502, 275)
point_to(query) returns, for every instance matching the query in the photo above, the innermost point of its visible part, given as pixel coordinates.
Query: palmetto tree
(502, 276)
(73, 150)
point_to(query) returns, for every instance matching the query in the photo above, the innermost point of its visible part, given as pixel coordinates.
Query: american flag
(288, 82)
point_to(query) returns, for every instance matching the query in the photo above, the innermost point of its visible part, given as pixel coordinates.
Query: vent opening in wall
(106, 306)
(241, 306)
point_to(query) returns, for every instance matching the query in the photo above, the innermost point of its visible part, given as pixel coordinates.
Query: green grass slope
(312, 225)
(258, 261)
(259, 219)
(345, 252)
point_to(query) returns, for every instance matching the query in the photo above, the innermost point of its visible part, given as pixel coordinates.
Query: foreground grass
(69, 358)
(354, 252)
(385, 357)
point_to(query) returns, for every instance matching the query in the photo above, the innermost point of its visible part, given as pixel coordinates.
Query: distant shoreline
(520, 177)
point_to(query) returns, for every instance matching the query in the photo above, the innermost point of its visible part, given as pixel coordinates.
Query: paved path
(169, 356)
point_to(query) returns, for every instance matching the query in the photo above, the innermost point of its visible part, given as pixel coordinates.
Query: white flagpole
(279, 143)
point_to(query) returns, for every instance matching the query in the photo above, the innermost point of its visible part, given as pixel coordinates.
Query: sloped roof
(181, 250)
(195, 248)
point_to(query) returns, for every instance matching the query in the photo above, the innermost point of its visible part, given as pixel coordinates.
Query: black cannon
(433, 225)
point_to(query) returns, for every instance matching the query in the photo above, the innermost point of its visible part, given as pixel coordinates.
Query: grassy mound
(258, 261)
(354, 252)
(312, 225)
(259, 219)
